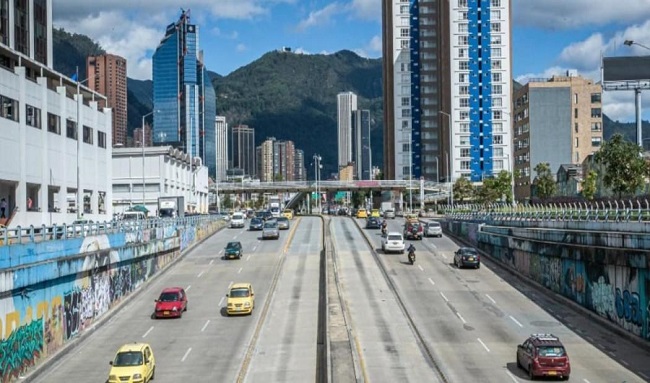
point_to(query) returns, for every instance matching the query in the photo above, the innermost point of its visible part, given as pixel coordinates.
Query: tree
(489, 192)
(625, 168)
(544, 182)
(504, 185)
(589, 185)
(463, 189)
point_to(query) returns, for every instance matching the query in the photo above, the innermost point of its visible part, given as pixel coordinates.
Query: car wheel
(186, 307)
(153, 374)
(531, 376)
(478, 266)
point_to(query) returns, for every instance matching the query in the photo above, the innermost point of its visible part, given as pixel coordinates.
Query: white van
(238, 220)
(133, 216)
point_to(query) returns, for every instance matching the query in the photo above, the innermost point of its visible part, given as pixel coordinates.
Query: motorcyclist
(384, 227)
(411, 251)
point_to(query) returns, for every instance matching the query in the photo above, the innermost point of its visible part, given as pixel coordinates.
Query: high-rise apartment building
(107, 75)
(221, 131)
(346, 103)
(138, 137)
(25, 26)
(242, 150)
(265, 160)
(183, 97)
(557, 121)
(300, 172)
(361, 148)
(284, 156)
(447, 91)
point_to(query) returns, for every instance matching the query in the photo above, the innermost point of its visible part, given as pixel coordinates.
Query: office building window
(404, 44)
(596, 141)
(497, 89)
(462, 52)
(496, 77)
(463, 77)
(463, 16)
(596, 127)
(101, 139)
(406, 170)
(495, 14)
(576, 127)
(406, 112)
(464, 115)
(463, 65)
(496, 52)
(495, 40)
(575, 112)
(406, 101)
(496, 3)
(497, 139)
(497, 101)
(496, 115)
(464, 140)
(464, 102)
(595, 97)
(9, 108)
(70, 129)
(596, 112)
(404, 32)
(497, 127)
(464, 152)
(405, 124)
(88, 134)
(464, 127)
(575, 98)
(463, 89)
(495, 27)
(463, 40)
(33, 116)
(53, 123)
(498, 152)
(465, 165)
(462, 3)
(463, 28)
(496, 64)
(576, 142)
(404, 9)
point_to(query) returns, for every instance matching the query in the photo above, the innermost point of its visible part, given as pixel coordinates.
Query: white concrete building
(167, 172)
(221, 130)
(346, 103)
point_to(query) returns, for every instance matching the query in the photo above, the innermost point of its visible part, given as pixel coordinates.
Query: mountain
(626, 129)
(293, 96)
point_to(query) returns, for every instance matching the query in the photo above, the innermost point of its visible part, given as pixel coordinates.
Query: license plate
(166, 313)
(552, 372)
(470, 258)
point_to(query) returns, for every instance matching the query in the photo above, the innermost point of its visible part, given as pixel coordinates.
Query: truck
(171, 207)
(387, 209)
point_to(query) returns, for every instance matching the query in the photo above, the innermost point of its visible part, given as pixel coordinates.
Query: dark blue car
(256, 224)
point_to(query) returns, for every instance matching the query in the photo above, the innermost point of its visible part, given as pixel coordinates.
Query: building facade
(168, 172)
(242, 150)
(183, 97)
(563, 113)
(265, 160)
(346, 103)
(447, 87)
(138, 138)
(362, 153)
(284, 160)
(221, 132)
(55, 138)
(300, 171)
(107, 75)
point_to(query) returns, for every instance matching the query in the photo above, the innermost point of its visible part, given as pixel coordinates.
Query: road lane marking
(514, 379)
(444, 256)
(208, 321)
(186, 354)
(490, 298)
(254, 247)
(201, 273)
(461, 317)
(516, 321)
(240, 269)
(249, 257)
(220, 251)
(444, 297)
(231, 282)
(188, 287)
(612, 353)
(235, 237)
(483, 344)
(148, 331)
(220, 302)
(586, 381)
(211, 261)
(420, 267)
(432, 282)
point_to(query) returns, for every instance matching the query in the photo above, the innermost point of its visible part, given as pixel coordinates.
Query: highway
(468, 322)
(205, 342)
(473, 319)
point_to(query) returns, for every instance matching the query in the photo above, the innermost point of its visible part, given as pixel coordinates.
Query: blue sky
(549, 36)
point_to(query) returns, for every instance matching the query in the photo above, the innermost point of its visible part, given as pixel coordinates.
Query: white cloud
(320, 17)
(563, 14)
(586, 54)
(241, 48)
(375, 44)
(367, 9)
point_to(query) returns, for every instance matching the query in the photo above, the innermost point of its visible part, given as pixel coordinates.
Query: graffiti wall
(51, 304)
(612, 282)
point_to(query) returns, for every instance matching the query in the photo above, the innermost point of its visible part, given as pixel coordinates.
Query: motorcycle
(412, 257)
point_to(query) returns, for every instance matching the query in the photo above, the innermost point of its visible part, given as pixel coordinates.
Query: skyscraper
(446, 83)
(107, 75)
(221, 131)
(362, 152)
(28, 31)
(183, 96)
(346, 103)
(242, 146)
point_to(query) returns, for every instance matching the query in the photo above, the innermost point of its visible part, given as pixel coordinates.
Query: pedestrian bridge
(328, 186)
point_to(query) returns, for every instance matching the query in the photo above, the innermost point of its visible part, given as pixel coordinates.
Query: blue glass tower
(183, 97)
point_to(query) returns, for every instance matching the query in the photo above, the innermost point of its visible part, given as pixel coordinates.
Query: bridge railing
(611, 211)
(311, 185)
(18, 234)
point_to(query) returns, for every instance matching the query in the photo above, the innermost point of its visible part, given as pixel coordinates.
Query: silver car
(271, 230)
(433, 229)
(283, 223)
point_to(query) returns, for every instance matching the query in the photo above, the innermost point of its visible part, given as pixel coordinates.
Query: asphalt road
(203, 345)
(474, 319)
(388, 349)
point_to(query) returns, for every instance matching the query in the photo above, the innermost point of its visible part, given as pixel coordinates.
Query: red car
(544, 355)
(171, 303)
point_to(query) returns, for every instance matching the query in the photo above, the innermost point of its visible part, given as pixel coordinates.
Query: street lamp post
(143, 158)
(637, 99)
(317, 168)
(450, 178)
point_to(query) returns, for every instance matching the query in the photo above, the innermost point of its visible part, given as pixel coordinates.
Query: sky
(548, 36)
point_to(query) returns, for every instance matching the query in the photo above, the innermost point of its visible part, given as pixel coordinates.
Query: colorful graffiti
(21, 350)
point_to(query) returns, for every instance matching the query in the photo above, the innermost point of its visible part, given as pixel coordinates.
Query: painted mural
(35, 323)
(618, 292)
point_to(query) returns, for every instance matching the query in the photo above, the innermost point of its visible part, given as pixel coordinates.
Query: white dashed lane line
(444, 297)
(483, 344)
(461, 317)
(211, 261)
(148, 331)
(514, 379)
(249, 257)
(516, 321)
(201, 273)
(420, 267)
(432, 282)
(240, 269)
(186, 354)
(207, 322)
(490, 298)
(220, 301)
(188, 287)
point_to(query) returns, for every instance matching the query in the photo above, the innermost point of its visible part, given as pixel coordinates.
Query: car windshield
(237, 216)
(270, 225)
(468, 252)
(434, 224)
(394, 237)
(256, 221)
(283, 219)
(168, 297)
(550, 351)
(239, 293)
(232, 245)
(129, 358)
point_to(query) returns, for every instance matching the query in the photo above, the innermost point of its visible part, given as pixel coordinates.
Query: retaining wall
(605, 272)
(52, 291)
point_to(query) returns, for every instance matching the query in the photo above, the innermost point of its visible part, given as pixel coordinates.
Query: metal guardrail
(612, 211)
(239, 187)
(18, 234)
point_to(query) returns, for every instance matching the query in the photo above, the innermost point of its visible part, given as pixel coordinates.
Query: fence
(611, 211)
(18, 235)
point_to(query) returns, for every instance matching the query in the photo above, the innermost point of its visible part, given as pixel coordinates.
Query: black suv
(544, 355)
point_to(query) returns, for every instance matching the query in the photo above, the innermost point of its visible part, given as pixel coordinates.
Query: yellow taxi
(241, 299)
(133, 363)
(362, 213)
(288, 213)
(375, 213)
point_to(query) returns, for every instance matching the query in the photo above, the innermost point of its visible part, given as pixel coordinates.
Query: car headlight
(247, 304)
(229, 304)
(112, 377)
(137, 376)
(175, 309)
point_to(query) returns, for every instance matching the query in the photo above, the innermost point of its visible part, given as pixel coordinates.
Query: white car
(393, 242)
(237, 220)
(433, 229)
(389, 214)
